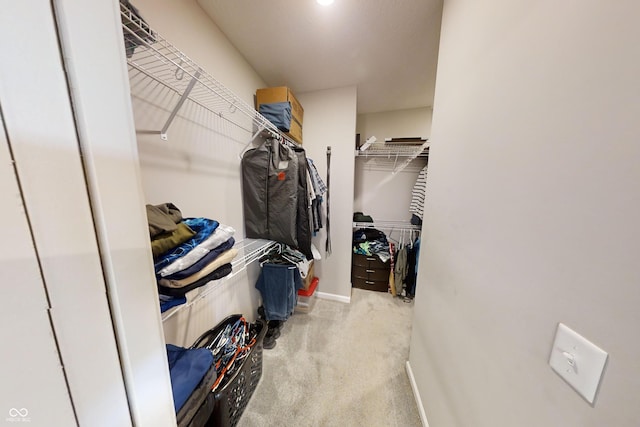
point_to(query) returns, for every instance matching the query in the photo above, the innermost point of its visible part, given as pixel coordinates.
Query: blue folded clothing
(278, 113)
(187, 367)
(171, 302)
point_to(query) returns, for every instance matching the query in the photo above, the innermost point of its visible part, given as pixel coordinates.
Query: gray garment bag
(270, 196)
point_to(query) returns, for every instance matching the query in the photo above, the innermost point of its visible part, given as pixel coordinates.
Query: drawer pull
(371, 259)
(371, 271)
(369, 283)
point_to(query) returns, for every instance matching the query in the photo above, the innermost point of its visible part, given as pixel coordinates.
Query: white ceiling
(388, 48)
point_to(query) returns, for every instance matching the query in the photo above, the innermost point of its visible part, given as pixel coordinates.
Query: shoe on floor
(275, 326)
(268, 342)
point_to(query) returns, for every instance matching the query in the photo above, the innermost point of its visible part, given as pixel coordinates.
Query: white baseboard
(416, 395)
(334, 297)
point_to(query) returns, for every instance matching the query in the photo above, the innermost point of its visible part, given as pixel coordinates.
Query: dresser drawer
(379, 274)
(369, 261)
(371, 285)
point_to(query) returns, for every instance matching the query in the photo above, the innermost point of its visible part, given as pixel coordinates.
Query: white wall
(533, 213)
(201, 152)
(198, 167)
(330, 120)
(412, 122)
(377, 191)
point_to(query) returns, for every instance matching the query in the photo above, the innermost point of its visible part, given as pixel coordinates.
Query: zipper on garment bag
(267, 183)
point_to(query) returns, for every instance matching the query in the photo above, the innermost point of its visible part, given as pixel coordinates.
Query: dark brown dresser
(369, 272)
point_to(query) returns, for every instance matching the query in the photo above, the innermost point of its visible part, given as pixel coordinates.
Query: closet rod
(253, 249)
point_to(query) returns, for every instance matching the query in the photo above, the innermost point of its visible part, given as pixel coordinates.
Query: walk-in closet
(391, 165)
(478, 232)
(158, 113)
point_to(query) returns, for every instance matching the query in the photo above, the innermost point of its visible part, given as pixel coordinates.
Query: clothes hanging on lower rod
(303, 218)
(406, 268)
(280, 280)
(328, 243)
(319, 189)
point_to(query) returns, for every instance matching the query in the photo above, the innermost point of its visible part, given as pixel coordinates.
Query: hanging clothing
(283, 254)
(328, 242)
(411, 272)
(318, 184)
(278, 285)
(418, 195)
(413, 280)
(319, 188)
(303, 219)
(401, 269)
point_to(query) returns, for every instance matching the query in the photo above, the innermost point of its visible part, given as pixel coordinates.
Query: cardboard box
(270, 95)
(295, 131)
(306, 282)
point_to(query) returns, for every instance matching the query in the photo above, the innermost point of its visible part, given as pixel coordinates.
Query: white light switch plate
(578, 361)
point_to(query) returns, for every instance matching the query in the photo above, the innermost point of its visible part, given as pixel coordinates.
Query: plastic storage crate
(307, 297)
(224, 407)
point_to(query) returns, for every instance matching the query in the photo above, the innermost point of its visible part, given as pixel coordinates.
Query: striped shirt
(418, 194)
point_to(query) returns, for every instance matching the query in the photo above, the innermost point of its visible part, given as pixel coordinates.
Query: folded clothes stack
(188, 252)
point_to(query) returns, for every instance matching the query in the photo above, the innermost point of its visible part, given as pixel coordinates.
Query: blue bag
(187, 367)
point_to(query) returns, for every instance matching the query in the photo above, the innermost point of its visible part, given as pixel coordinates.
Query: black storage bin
(224, 407)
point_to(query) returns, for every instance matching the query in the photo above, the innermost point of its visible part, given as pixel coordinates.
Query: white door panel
(33, 387)
(42, 136)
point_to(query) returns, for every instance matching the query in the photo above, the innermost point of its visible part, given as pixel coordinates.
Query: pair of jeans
(278, 284)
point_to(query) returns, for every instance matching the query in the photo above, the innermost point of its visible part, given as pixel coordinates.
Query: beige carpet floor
(339, 365)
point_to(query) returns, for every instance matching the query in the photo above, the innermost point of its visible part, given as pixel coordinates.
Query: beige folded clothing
(224, 258)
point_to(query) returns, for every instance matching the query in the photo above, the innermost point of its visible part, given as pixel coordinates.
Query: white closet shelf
(151, 55)
(390, 151)
(249, 250)
(388, 225)
(396, 152)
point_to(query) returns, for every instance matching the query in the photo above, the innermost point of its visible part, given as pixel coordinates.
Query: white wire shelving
(249, 250)
(400, 155)
(389, 225)
(152, 56)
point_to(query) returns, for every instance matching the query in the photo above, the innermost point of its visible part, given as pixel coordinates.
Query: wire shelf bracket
(183, 98)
